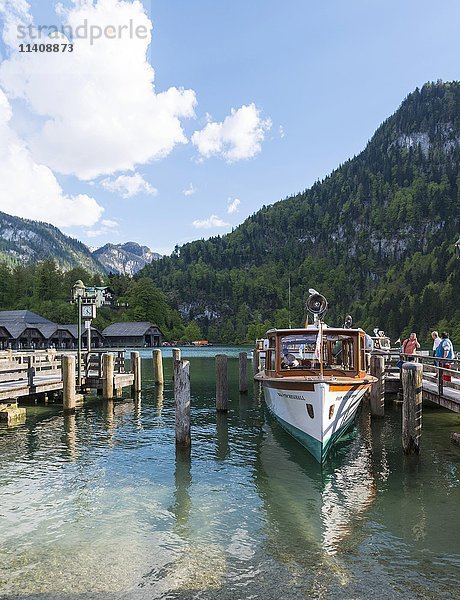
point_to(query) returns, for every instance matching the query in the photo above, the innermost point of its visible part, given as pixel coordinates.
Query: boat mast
(289, 303)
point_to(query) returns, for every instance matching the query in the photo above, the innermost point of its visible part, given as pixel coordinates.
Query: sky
(174, 120)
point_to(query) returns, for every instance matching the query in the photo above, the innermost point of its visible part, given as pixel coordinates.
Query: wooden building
(133, 335)
(97, 339)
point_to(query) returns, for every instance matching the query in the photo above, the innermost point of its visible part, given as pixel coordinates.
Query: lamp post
(78, 291)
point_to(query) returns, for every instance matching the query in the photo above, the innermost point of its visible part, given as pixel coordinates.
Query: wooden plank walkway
(24, 374)
(447, 394)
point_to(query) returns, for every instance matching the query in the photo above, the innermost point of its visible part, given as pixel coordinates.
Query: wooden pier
(39, 374)
(434, 387)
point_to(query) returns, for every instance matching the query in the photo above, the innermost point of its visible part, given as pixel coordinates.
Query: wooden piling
(68, 383)
(255, 361)
(412, 407)
(221, 383)
(243, 372)
(182, 400)
(30, 371)
(158, 367)
(136, 370)
(377, 395)
(108, 374)
(176, 354)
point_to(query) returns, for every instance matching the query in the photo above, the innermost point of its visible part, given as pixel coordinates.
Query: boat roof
(311, 328)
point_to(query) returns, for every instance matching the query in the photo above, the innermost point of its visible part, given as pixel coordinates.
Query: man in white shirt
(436, 340)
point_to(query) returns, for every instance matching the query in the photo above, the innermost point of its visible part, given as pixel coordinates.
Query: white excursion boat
(314, 379)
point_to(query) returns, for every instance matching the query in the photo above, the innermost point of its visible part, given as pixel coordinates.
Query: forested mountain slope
(25, 241)
(376, 237)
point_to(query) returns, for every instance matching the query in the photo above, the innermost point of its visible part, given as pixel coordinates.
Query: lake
(98, 505)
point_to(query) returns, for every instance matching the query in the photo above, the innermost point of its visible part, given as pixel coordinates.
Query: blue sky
(106, 159)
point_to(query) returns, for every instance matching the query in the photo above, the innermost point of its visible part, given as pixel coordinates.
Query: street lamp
(78, 291)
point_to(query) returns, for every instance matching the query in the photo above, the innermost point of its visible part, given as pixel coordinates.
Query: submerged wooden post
(68, 383)
(182, 399)
(136, 370)
(377, 396)
(243, 371)
(158, 366)
(107, 380)
(412, 407)
(221, 383)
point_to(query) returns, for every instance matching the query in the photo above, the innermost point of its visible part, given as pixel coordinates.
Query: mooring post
(136, 370)
(412, 407)
(158, 367)
(221, 383)
(377, 396)
(243, 370)
(107, 378)
(68, 383)
(255, 361)
(182, 399)
(30, 371)
(176, 354)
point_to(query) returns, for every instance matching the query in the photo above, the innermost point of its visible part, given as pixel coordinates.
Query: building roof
(128, 329)
(16, 328)
(73, 330)
(23, 316)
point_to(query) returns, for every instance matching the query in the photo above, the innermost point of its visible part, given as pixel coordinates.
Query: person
(445, 350)
(410, 346)
(289, 360)
(436, 340)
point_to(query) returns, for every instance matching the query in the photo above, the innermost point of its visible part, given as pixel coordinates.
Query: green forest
(44, 289)
(376, 237)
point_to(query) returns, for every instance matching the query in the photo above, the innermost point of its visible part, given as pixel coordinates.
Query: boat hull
(315, 414)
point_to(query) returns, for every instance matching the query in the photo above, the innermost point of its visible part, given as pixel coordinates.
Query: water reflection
(159, 398)
(70, 436)
(222, 449)
(313, 508)
(182, 500)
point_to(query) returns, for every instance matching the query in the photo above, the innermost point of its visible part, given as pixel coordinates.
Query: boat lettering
(291, 396)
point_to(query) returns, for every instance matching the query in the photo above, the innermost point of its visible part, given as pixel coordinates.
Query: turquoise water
(98, 505)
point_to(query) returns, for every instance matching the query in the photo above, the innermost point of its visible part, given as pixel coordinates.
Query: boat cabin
(313, 352)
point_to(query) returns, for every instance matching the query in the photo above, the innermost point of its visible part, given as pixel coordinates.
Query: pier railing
(25, 366)
(445, 372)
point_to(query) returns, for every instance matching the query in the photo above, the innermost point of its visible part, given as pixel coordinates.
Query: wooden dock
(34, 374)
(435, 388)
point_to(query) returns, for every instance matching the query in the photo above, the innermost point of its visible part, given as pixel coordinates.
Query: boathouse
(20, 329)
(97, 339)
(133, 335)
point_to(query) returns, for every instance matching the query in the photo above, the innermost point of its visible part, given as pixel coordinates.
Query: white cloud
(281, 131)
(190, 190)
(213, 221)
(233, 205)
(129, 185)
(98, 106)
(110, 223)
(30, 190)
(239, 136)
(107, 226)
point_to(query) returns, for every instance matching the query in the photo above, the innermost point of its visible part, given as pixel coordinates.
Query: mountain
(376, 237)
(25, 241)
(125, 259)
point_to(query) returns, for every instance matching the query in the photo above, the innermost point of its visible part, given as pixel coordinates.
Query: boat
(314, 379)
